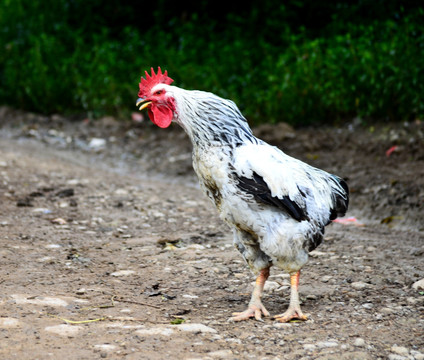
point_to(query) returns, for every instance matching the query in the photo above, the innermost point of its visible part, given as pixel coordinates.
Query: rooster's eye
(159, 92)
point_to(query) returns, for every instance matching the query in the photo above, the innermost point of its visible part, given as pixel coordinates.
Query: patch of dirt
(109, 249)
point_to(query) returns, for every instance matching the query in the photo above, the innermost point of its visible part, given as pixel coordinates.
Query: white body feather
(225, 152)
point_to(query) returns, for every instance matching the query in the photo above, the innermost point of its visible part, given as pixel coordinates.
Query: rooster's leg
(293, 312)
(256, 308)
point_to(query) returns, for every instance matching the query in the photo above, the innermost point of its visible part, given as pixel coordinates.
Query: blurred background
(297, 61)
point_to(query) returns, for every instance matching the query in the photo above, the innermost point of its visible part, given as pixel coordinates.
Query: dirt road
(106, 254)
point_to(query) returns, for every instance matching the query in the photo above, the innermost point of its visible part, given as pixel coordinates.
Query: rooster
(277, 206)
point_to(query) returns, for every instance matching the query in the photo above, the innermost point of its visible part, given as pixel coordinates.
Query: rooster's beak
(143, 106)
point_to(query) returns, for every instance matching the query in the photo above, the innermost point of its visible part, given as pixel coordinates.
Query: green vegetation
(277, 62)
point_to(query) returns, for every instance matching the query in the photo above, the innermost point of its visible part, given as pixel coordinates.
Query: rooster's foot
(293, 313)
(255, 311)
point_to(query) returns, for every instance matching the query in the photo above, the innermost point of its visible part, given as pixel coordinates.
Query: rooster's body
(277, 206)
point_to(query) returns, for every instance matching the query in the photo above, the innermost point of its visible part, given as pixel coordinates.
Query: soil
(109, 250)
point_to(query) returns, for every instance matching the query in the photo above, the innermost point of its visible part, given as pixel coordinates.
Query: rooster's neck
(211, 121)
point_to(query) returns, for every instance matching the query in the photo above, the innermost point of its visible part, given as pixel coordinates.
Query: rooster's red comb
(147, 83)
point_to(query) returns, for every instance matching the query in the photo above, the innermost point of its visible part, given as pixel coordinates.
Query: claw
(252, 311)
(291, 314)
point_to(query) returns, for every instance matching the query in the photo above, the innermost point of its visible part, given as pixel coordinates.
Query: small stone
(271, 286)
(387, 310)
(105, 347)
(81, 291)
(396, 357)
(316, 253)
(65, 193)
(8, 322)
(309, 347)
(280, 325)
(359, 285)
(53, 246)
(222, 354)
(412, 300)
(41, 211)
(417, 355)
(371, 249)
(418, 285)
(122, 273)
(188, 296)
(159, 330)
(326, 278)
(44, 301)
(358, 355)
(327, 344)
(64, 330)
(73, 182)
(367, 306)
(59, 221)
(97, 143)
(197, 328)
(400, 350)
(359, 342)
(121, 192)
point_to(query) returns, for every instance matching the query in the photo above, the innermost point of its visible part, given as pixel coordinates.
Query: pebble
(371, 249)
(8, 322)
(53, 246)
(327, 344)
(387, 310)
(316, 253)
(59, 221)
(97, 143)
(396, 357)
(41, 211)
(359, 285)
(326, 278)
(122, 273)
(280, 325)
(45, 301)
(359, 342)
(73, 182)
(188, 296)
(400, 350)
(159, 330)
(64, 330)
(271, 286)
(309, 347)
(412, 300)
(222, 354)
(418, 285)
(121, 192)
(417, 355)
(105, 347)
(196, 328)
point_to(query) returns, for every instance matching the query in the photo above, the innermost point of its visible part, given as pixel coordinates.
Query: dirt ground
(109, 250)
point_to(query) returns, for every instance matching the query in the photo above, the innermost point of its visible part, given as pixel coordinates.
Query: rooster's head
(155, 94)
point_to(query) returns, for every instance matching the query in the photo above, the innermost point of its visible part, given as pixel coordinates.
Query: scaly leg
(255, 308)
(293, 312)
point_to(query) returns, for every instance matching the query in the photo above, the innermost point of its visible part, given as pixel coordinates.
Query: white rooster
(276, 205)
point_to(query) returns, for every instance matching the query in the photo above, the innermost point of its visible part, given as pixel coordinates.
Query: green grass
(50, 62)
